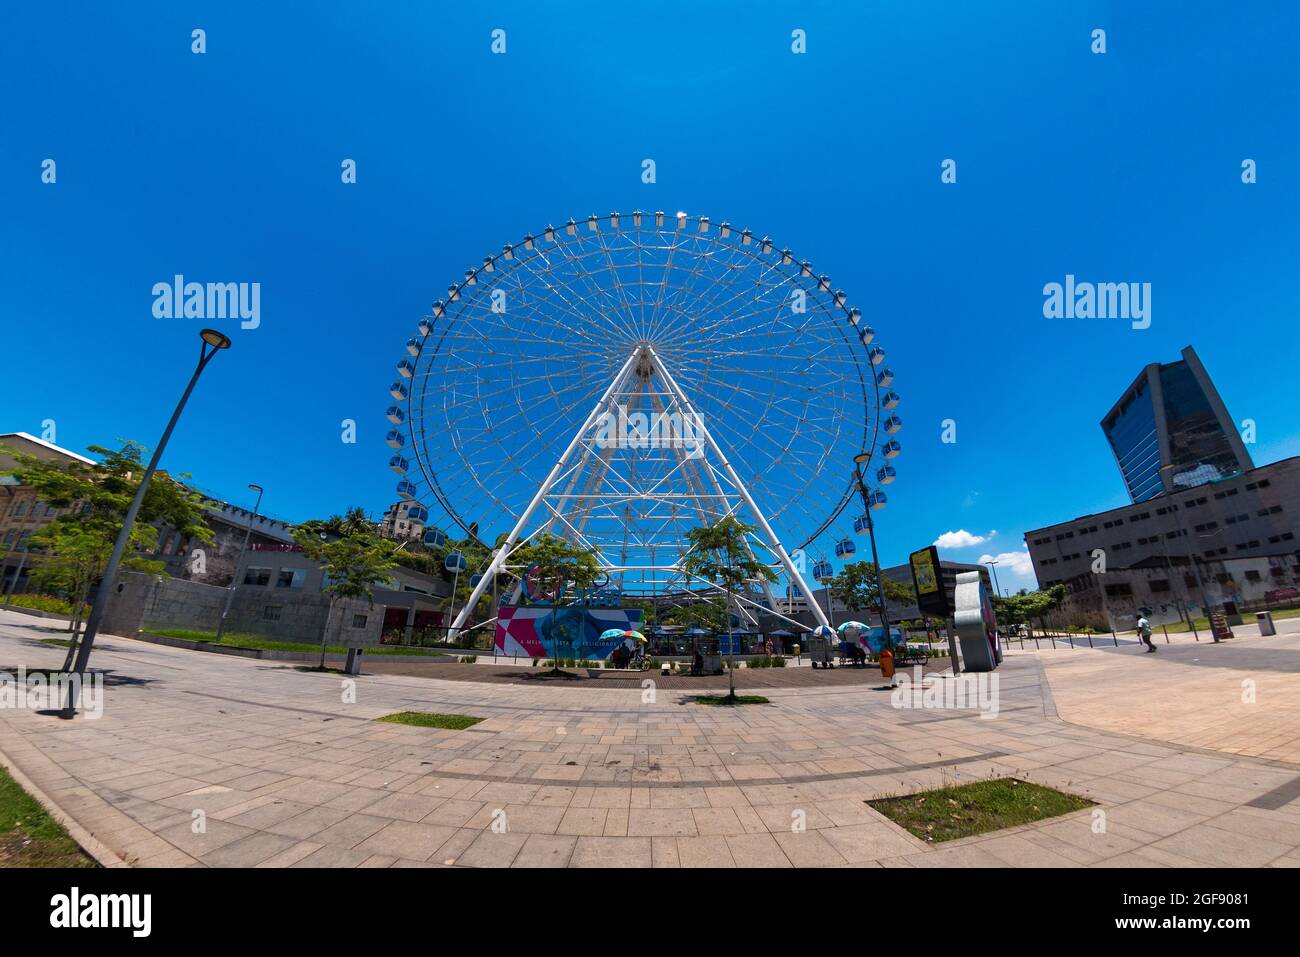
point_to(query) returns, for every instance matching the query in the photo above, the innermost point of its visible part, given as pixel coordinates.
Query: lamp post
(234, 577)
(1191, 555)
(212, 343)
(859, 460)
(993, 568)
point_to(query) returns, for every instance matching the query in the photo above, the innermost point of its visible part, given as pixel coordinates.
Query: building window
(359, 621)
(290, 578)
(1251, 576)
(271, 613)
(1157, 584)
(257, 576)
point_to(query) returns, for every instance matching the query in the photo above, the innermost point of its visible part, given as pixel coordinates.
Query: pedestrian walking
(1144, 632)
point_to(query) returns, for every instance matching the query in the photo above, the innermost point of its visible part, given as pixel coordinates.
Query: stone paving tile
(491, 849)
(333, 857)
(756, 850)
(351, 830)
(407, 839)
(546, 850)
(249, 851)
(649, 822)
(612, 852)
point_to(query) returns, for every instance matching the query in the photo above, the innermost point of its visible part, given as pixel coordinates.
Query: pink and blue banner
(565, 632)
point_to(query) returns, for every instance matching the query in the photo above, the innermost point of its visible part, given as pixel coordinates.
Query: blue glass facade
(1132, 434)
(1190, 422)
(1198, 447)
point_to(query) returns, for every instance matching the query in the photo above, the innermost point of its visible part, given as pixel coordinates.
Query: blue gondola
(413, 346)
(845, 548)
(876, 500)
(399, 465)
(892, 448)
(876, 354)
(822, 571)
(395, 415)
(439, 307)
(861, 524)
(892, 424)
(474, 580)
(890, 400)
(398, 390)
(886, 474)
(434, 537)
(455, 562)
(866, 334)
(417, 513)
(425, 327)
(884, 377)
(395, 439)
(406, 489)
(406, 368)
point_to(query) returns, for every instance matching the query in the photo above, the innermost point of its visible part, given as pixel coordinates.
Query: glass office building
(1171, 430)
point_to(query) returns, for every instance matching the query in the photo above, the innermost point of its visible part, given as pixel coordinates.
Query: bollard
(1114, 637)
(1166, 631)
(1090, 644)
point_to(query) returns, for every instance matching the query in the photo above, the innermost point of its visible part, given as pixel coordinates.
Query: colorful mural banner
(565, 632)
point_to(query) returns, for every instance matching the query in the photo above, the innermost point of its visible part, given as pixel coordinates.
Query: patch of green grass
(726, 700)
(29, 837)
(946, 814)
(261, 643)
(57, 642)
(48, 603)
(422, 719)
(1203, 624)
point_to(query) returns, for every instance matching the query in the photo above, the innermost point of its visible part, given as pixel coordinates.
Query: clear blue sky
(1116, 167)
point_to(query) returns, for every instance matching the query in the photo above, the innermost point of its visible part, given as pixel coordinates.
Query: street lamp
(859, 460)
(212, 343)
(996, 587)
(234, 577)
(1191, 554)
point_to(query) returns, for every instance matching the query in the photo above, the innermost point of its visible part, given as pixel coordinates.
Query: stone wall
(143, 602)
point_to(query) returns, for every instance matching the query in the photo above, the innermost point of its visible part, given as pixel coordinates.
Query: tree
(79, 543)
(855, 588)
(354, 563)
(560, 565)
(720, 553)
(1024, 606)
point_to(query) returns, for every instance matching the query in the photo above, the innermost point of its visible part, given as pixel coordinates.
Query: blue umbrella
(611, 633)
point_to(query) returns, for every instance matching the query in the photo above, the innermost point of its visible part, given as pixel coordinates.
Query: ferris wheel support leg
(772, 541)
(499, 557)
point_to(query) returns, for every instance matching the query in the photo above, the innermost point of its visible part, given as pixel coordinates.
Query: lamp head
(218, 340)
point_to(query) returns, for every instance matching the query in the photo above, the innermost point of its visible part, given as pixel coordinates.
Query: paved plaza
(284, 772)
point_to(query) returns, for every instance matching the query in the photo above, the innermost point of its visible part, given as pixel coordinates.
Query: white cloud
(959, 539)
(1017, 563)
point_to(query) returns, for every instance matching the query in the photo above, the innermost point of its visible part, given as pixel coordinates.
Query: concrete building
(213, 563)
(1241, 531)
(21, 512)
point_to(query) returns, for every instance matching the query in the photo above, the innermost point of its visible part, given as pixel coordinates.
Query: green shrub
(468, 659)
(56, 606)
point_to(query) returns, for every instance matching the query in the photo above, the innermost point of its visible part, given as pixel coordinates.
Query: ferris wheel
(623, 379)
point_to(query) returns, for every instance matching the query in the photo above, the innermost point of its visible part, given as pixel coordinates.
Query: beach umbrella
(856, 627)
(823, 631)
(611, 633)
(634, 634)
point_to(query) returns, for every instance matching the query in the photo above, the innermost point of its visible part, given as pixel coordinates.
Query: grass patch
(48, 603)
(946, 814)
(260, 643)
(726, 700)
(57, 642)
(422, 719)
(31, 838)
(1203, 624)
